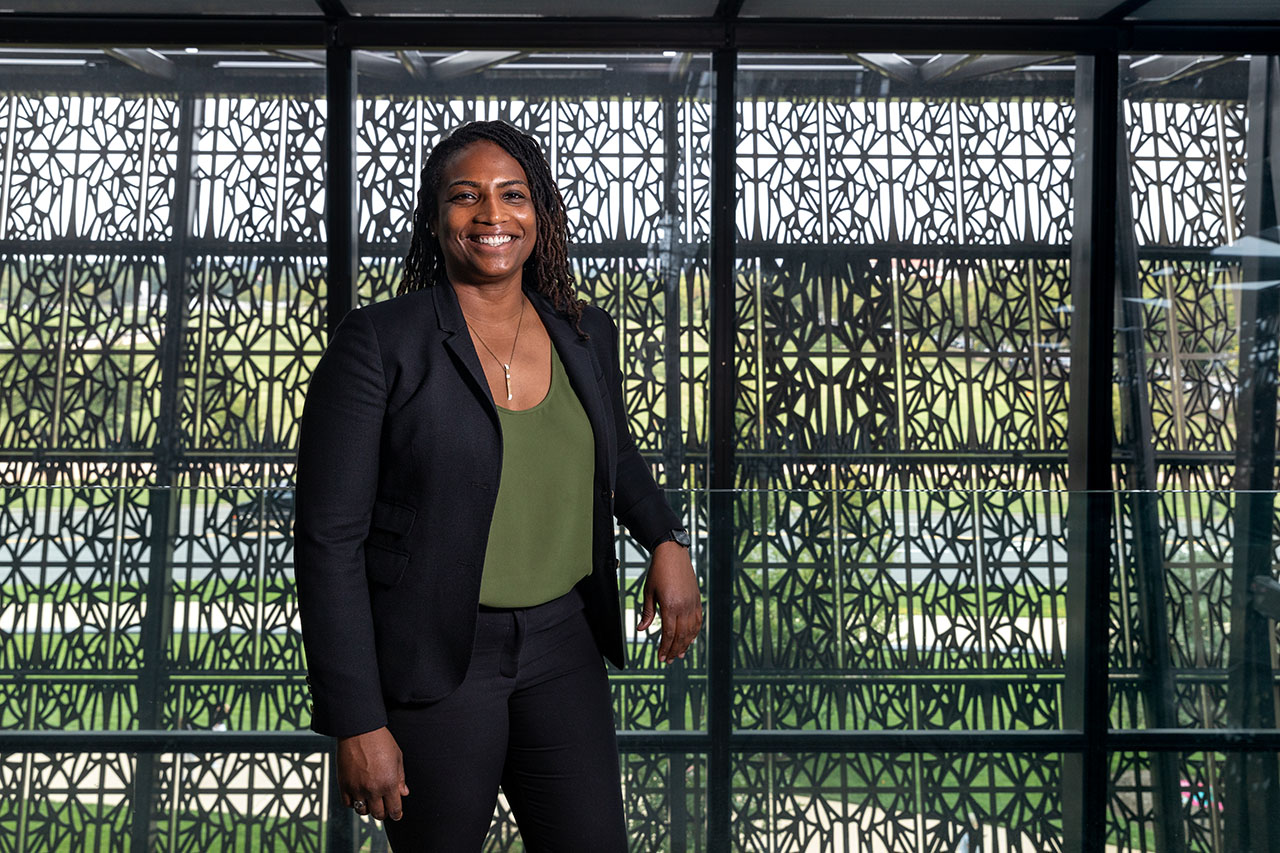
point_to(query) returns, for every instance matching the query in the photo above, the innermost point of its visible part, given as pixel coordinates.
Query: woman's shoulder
(388, 326)
(597, 321)
(399, 310)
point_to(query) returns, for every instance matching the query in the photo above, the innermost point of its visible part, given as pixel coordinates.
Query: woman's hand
(673, 587)
(371, 771)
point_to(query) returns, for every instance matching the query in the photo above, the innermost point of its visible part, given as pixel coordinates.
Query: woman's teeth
(496, 240)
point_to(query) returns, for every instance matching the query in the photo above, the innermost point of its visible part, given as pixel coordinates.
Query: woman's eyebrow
(466, 183)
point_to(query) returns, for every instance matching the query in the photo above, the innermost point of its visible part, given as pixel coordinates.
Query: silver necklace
(506, 365)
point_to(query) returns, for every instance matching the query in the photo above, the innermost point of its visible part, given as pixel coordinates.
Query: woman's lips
(494, 239)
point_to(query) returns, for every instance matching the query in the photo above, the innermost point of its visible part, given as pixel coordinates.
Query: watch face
(681, 537)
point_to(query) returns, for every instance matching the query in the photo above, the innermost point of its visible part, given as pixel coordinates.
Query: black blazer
(398, 465)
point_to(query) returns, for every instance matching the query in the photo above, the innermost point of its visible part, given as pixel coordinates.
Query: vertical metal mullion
(164, 500)
(340, 192)
(340, 292)
(1156, 683)
(671, 264)
(1252, 799)
(1089, 448)
(722, 392)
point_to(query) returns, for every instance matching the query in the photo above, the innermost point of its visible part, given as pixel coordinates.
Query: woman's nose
(491, 210)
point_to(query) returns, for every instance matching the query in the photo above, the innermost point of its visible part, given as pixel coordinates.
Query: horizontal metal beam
(677, 742)
(1178, 458)
(264, 31)
(836, 35)
(533, 33)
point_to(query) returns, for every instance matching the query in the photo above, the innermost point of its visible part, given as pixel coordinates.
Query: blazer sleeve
(337, 481)
(638, 502)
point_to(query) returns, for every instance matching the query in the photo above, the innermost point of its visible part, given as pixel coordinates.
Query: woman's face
(485, 220)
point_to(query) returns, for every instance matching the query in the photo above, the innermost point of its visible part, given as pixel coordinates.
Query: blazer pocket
(393, 518)
(384, 566)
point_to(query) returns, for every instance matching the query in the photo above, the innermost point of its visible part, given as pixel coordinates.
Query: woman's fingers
(380, 805)
(680, 626)
(668, 636)
(672, 584)
(371, 774)
(386, 807)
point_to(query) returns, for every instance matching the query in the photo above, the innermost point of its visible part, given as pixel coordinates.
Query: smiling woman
(463, 455)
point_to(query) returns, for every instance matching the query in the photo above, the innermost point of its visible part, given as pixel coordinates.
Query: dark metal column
(340, 192)
(164, 497)
(1089, 439)
(723, 392)
(1251, 806)
(671, 264)
(1143, 501)
(340, 221)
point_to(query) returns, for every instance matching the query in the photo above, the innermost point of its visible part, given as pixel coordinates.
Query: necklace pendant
(506, 373)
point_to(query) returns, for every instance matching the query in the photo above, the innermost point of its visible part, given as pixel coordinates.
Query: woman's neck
(490, 304)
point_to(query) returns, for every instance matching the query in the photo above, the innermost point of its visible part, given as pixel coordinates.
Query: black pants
(534, 714)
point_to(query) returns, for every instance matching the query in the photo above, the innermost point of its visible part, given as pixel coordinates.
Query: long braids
(547, 271)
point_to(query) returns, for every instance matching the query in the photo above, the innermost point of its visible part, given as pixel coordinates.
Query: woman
(464, 450)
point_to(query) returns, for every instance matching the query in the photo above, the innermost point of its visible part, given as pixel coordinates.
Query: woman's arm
(337, 482)
(670, 586)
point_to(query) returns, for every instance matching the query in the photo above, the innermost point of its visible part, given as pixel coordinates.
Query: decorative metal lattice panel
(871, 801)
(900, 326)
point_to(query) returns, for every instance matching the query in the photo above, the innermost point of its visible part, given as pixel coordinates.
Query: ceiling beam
(1164, 68)
(333, 9)
(376, 64)
(941, 65)
(466, 62)
(145, 60)
(1160, 70)
(317, 56)
(727, 10)
(892, 65)
(698, 34)
(983, 66)
(1122, 11)
(414, 63)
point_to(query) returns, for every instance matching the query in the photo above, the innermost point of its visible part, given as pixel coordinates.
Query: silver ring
(358, 805)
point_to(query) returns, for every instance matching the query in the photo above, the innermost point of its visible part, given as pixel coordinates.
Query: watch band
(678, 535)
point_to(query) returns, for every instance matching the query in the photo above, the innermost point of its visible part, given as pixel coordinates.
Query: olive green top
(540, 536)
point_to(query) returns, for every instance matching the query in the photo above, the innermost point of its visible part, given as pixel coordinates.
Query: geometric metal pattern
(1187, 168)
(69, 177)
(902, 321)
(901, 324)
(83, 801)
(866, 801)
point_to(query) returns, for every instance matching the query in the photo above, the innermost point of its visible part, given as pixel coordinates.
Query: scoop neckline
(551, 386)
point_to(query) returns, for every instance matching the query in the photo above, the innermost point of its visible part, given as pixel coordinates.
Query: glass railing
(911, 613)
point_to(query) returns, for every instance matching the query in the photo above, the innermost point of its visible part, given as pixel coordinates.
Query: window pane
(903, 318)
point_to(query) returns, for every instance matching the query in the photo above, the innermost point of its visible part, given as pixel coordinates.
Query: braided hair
(547, 270)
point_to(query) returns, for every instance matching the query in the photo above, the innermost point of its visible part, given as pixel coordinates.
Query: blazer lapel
(458, 342)
(579, 364)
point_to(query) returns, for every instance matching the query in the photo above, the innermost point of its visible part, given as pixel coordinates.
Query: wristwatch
(679, 535)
